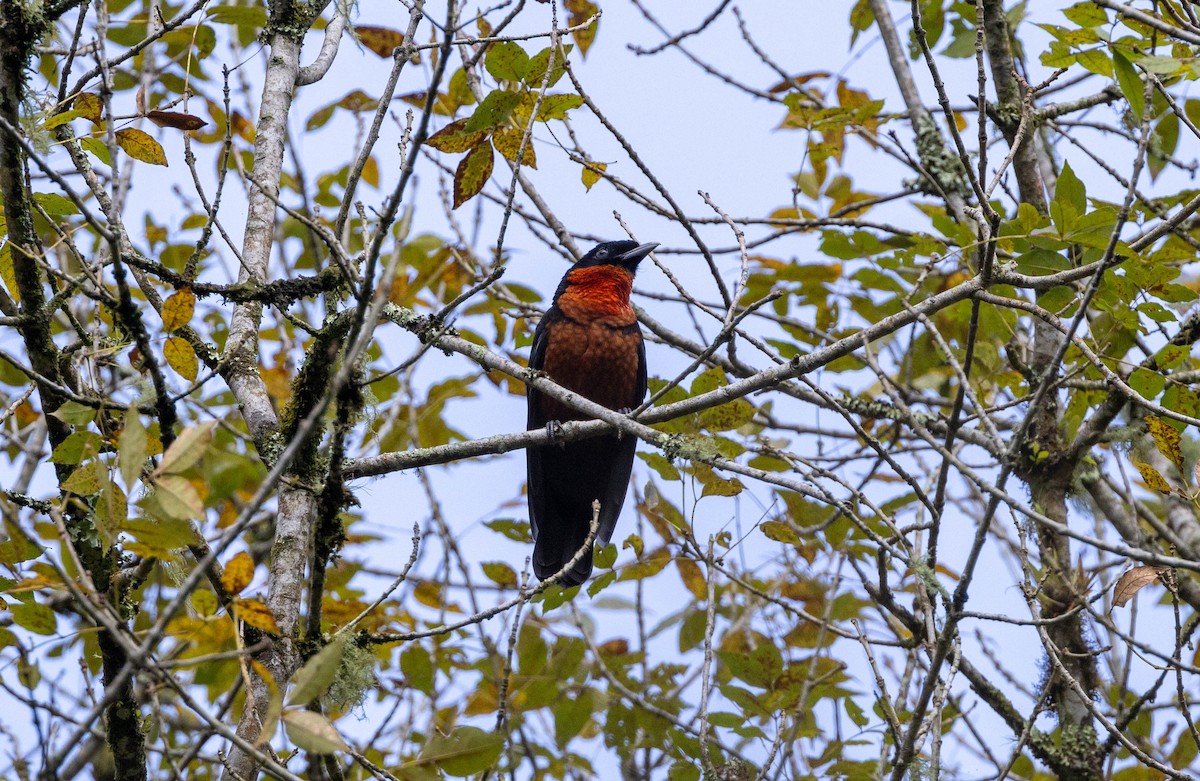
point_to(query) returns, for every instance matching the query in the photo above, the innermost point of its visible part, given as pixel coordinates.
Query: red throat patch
(597, 291)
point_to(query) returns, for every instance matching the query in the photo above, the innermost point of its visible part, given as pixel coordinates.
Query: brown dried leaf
(472, 173)
(176, 120)
(238, 573)
(381, 40)
(140, 145)
(178, 309)
(1132, 582)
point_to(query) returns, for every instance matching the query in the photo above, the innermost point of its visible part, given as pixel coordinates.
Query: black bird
(589, 342)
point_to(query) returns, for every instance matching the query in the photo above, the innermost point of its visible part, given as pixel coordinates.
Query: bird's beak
(633, 257)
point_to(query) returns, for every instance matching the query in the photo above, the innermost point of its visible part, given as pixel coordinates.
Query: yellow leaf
(140, 145)
(181, 357)
(89, 107)
(256, 614)
(692, 577)
(238, 573)
(178, 308)
(472, 173)
(508, 143)
(8, 274)
(1152, 478)
(591, 173)
(1166, 439)
(578, 12)
(454, 138)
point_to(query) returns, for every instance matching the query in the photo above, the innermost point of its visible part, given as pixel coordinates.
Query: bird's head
(626, 254)
(600, 282)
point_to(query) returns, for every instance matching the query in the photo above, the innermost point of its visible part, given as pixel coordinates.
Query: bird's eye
(602, 253)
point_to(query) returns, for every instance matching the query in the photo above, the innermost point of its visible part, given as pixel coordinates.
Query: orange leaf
(238, 573)
(256, 614)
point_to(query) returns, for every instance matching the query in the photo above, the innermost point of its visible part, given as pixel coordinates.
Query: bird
(589, 342)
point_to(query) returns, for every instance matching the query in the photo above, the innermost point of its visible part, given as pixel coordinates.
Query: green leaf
(112, 508)
(1147, 383)
(506, 61)
(557, 106)
(417, 667)
(312, 732)
(727, 417)
(56, 205)
(75, 448)
(606, 556)
(536, 72)
(500, 573)
(85, 480)
(464, 752)
(1086, 15)
(97, 149)
(493, 110)
(1070, 190)
(748, 668)
(36, 618)
(132, 447)
(780, 532)
(571, 714)
(161, 534)
(1130, 83)
(75, 413)
(313, 679)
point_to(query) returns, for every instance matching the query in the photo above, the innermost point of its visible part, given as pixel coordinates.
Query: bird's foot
(554, 431)
(622, 411)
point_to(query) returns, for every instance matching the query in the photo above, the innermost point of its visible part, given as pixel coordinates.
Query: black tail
(556, 545)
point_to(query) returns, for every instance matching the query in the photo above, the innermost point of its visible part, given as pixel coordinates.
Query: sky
(698, 135)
